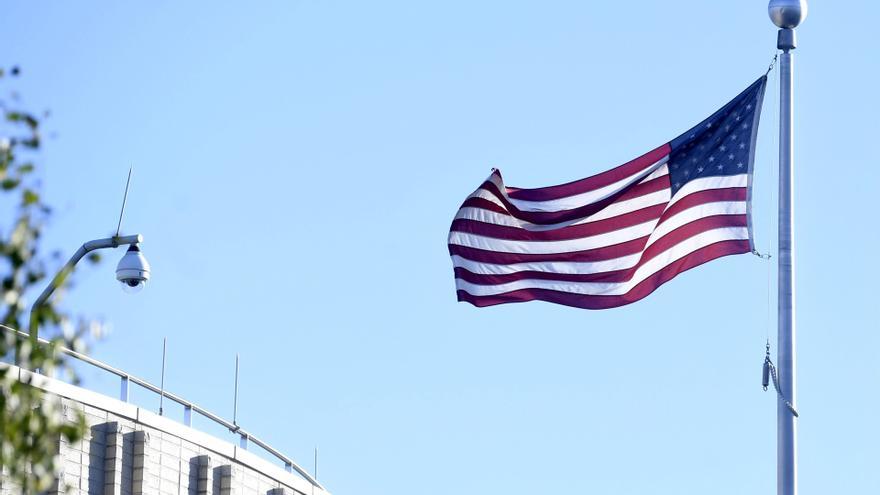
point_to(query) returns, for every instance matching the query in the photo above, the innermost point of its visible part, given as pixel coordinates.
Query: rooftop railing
(126, 379)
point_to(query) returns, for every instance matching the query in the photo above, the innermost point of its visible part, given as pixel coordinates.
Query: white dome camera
(133, 271)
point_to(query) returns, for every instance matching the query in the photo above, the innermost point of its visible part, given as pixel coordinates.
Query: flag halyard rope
(770, 372)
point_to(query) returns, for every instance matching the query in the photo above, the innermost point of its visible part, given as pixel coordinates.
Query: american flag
(613, 238)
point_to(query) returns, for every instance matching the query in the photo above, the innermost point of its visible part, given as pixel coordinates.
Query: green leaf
(9, 184)
(29, 197)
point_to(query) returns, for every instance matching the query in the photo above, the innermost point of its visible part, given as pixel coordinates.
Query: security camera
(133, 271)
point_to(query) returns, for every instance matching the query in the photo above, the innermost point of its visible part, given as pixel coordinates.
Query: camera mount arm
(61, 276)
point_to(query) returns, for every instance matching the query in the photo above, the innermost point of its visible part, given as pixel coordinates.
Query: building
(129, 450)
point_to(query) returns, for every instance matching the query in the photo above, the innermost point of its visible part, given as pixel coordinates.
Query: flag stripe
(591, 183)
(618, 270)
(619, 207)
(553, 217)
(560, 267)
(587, 255)
(644, 271)
(586, 197)
(571, 232)
(481, 222)
(638, 292)
(478, 206)
(614, 236)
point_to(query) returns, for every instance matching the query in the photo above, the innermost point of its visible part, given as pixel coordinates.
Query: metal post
(785, 358)
(786, 14)
(162, 380)
(123, 389)
(235, 395)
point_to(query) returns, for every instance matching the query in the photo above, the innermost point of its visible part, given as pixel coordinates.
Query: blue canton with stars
(723, 144)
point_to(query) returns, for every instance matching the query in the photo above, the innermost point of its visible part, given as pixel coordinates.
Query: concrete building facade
(128, 450)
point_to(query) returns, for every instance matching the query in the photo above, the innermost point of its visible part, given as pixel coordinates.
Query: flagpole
(787, 15)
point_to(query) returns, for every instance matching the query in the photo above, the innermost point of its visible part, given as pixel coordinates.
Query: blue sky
(297, 165)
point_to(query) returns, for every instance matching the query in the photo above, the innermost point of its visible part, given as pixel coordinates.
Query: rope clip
(759, 255)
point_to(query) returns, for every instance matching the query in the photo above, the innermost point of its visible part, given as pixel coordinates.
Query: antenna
(162, 383)
(235, 397)
(124, 200)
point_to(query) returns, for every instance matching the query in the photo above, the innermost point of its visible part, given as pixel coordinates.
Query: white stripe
(695, 213)
(704, 183)
(651, 267)
(578, 268)
(550, 247)
(577, 200)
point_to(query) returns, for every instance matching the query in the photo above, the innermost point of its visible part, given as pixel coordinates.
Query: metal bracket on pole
(786, 40)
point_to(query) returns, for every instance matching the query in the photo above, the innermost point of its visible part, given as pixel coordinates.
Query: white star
(711, 158)
(727, 127)
(733, 136)
(709, 125)
(674, 166)
(678, 184)
(692, 136)
(739, 165)
(699, 169)
(737, 118)
(694, 160)
(745, 126)
(719, 167)
(687, 173)
(730, 156)
(749, 106)
(742, 145)
(723, 148)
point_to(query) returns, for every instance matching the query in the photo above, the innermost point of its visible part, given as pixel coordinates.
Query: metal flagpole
(787, 15)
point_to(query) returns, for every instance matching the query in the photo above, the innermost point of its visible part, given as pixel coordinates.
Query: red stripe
(563, 233)
(666, 242)
(484, 204)
(688, 230)
(591, 183)
(705, 196)
(481, 279)
(643, 289)
(551, 217)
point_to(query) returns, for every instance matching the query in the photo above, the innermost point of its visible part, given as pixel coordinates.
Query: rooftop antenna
(235, 397)
(316, 468)
(124, 200)
(162, 382)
